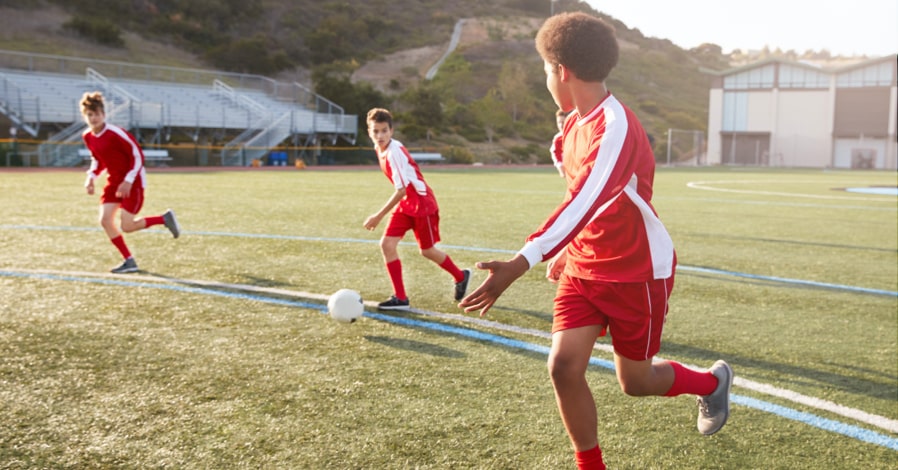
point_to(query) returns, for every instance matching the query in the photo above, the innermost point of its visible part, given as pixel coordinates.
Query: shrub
(96, 29)
(458, 155)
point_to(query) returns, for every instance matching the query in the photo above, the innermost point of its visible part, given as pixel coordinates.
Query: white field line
(852, 413)
(706, 185)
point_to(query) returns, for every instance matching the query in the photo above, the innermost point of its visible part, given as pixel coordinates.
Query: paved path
(453, 43)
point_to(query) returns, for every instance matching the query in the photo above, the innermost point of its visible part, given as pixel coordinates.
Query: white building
(791, 114)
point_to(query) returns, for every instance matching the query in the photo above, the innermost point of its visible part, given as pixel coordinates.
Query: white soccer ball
(345, 305)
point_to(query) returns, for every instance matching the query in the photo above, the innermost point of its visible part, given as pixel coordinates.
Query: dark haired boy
(607, 249)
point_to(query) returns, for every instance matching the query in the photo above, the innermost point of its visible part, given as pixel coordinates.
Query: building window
(761, 77)
(800, 77)
(874, 75)
(735, 111)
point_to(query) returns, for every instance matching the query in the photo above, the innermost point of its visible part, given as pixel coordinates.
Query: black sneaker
(393, 304)
(127, 266)
(462, 286)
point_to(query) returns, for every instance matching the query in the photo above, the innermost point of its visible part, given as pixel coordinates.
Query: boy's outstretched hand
(502, 274)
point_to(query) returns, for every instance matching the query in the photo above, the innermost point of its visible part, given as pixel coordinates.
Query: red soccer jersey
(401, 169)
(116, 151)
(606, 220)
(557, 150)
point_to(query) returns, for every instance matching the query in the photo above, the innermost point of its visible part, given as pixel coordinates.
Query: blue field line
(830, 425)
(681, 267)
(825, 424)
(172, 287)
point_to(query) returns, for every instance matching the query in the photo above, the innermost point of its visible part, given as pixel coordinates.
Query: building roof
(830, 67)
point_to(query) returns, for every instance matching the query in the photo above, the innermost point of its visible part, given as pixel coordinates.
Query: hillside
(491, 91)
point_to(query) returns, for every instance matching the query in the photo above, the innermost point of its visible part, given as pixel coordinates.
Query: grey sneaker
(394, 304)
(171, 223)
(462, 286)
(714, 409)
(127, 266)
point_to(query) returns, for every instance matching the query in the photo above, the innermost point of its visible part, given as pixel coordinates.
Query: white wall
(803, 134)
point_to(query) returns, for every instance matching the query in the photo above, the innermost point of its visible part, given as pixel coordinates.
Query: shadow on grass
(252, 281)
(262, 282)
(884, 389)
(840, 246)
(416, 346)
(540, 315)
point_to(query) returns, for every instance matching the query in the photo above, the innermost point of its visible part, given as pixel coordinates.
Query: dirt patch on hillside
(399, 70)
(403, 69)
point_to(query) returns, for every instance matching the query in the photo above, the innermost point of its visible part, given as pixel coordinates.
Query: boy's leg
(568, 360)
(388, 248)
(107, 221)
(669, 378)
(427, 232)
(132, 223)
(645, 378)
(444, 261)
(637, 313)
(108, 211)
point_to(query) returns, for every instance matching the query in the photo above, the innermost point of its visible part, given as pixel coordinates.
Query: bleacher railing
(327, 117)
(22, 110)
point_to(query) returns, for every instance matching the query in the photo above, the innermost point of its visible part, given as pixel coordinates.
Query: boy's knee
(561, 371)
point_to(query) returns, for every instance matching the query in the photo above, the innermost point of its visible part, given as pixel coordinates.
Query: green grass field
(218, 354)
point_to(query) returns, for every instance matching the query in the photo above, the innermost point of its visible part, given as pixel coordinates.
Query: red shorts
(133, 203)
(634, 312)
(427, 228)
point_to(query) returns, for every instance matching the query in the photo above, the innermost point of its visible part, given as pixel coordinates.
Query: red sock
(119, 243)
(691, 381)
(452, 269)
(154, 220)
(589, 459)
(395, 270)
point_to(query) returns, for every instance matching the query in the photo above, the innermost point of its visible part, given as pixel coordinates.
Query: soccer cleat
(171, 223)
(127, 266)
(714, 409)
(393, 304)
(462, 286)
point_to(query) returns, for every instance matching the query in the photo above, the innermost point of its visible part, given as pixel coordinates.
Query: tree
(513, 87)
(426, 106)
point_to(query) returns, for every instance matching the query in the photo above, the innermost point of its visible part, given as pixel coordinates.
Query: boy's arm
(502, 275)
(374, 219)
(96, 167)
(137, 154)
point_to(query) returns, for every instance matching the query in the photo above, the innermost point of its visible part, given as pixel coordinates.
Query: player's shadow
(877, 384)
(263, 282)
(416, 346)
(540, 315)
(250, 281)
(803, 243)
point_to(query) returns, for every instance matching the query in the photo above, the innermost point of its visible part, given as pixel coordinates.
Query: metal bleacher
(42, 91)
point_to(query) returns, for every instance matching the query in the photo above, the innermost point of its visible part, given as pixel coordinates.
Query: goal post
(686, 147)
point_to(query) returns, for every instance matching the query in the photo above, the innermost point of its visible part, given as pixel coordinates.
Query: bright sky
(842, 27)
